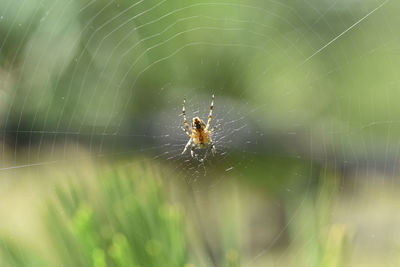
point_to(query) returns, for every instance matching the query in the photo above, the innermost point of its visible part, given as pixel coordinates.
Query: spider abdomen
(201, 139)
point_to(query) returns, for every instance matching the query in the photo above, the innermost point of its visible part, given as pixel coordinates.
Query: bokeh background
(307, 165)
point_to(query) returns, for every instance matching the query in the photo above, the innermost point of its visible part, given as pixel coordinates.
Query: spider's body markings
(198, 132)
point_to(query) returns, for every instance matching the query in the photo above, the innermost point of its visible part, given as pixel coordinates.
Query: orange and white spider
(198, 133)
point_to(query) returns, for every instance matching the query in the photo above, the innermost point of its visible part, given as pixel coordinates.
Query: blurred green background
(306, 171)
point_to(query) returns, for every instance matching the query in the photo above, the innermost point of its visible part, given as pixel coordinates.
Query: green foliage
(123, 219)
(321, 241)
(13, 255)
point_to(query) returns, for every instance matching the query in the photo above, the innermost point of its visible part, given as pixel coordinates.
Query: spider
(198, 133)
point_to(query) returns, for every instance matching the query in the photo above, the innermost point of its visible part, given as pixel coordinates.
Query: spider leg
(210, 115)
(184, 116)
(187, 145)
(186, 132)
(213, 150)
(215, 127)
(184, 113)
(192, 151)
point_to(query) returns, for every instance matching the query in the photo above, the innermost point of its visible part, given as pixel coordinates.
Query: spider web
(312, 81)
